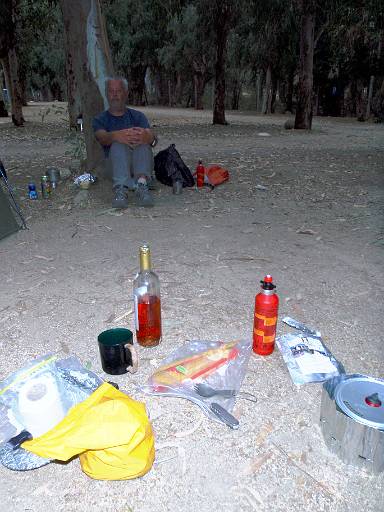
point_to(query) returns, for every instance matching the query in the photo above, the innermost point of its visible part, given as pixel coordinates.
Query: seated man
(127, 140)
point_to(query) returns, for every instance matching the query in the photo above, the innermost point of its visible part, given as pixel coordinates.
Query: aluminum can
(45, 187)
(32, 192)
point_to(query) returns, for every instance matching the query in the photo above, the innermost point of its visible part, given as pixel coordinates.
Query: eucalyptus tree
(269, 34)
(137, 31)
(89, 62)
(238, 72)
(223, 15)
(42, 58)
(360, 30)
(304, 107)
(188, 51)
(10, 20)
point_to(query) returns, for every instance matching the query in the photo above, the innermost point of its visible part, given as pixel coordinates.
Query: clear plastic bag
(306, 356)
(36, 398)
(218, 367)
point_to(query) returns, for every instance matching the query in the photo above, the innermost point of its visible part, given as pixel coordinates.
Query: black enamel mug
(117, 352)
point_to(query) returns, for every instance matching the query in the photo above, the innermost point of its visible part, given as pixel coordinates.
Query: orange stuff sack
(216, 175)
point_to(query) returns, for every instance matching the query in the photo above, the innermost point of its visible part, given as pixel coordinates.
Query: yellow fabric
(109, 431)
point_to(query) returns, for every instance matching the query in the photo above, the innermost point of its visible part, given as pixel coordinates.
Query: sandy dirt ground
(318, 229)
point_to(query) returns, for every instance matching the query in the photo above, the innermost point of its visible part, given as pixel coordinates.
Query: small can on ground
(53, 177)
(32, 192)
(45, 187)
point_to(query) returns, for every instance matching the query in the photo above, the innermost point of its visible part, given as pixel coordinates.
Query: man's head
(116, 90)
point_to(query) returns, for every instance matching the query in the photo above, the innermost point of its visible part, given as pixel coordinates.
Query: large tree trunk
(303, 119)
(90, 61)
(10, 61)
(222, 24)
(11, 73)
(73, 91)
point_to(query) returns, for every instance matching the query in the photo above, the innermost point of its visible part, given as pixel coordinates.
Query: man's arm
(130, 136)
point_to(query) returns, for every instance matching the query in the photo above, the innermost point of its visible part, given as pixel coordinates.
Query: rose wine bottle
(146, 296)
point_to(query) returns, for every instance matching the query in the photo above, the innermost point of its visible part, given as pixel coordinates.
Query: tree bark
(267, 93)
(359, 100)
(161, 86)
(11, 65)
(170, 93)
(222, 24)
(379, 102)
(11, 68)
(316, 101)
(89, 54)
(236, 93)
(259, 92)
(370, 95)
(372, 79)
(198, 89)
(136, 84)
(73, 91)
(304, 110)
(3, 110)
(7, 77)
(289, 93)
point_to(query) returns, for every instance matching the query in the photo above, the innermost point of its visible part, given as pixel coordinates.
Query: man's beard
(117, 104)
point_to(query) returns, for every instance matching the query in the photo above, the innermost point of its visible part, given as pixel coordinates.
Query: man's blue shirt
(110, 123)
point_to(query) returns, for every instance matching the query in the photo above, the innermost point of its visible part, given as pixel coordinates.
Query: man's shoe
(143, 195)
(120, 200)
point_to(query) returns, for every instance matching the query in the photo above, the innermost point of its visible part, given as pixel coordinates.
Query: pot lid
(362, 399)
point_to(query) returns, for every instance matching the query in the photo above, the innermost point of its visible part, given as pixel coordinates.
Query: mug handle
(131, 354)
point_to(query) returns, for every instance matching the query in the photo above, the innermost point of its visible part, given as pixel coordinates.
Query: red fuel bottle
(200, 173)
(265, 320)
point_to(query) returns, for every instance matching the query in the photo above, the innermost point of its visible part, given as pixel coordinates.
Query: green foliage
(136, 30)
(185, 46)
(175, 39)
(41, 46)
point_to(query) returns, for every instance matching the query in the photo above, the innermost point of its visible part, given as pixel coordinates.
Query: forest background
(299, 56)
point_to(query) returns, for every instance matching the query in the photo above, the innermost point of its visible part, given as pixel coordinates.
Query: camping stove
(352, 420)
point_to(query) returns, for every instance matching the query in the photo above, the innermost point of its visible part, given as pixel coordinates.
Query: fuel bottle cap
(267, 283)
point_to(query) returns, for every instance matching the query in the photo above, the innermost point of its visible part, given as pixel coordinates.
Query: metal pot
(352, 420)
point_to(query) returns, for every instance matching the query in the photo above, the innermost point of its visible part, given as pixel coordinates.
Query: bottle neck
(145, 261)
(267, 292)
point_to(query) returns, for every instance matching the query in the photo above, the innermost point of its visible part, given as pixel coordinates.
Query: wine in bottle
(146, 296)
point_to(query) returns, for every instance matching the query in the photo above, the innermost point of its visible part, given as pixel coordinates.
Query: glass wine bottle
(146, 295)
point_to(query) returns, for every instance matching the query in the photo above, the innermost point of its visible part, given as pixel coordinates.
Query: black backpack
(169, 167)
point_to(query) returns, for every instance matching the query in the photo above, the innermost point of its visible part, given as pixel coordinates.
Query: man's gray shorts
(125, 164)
